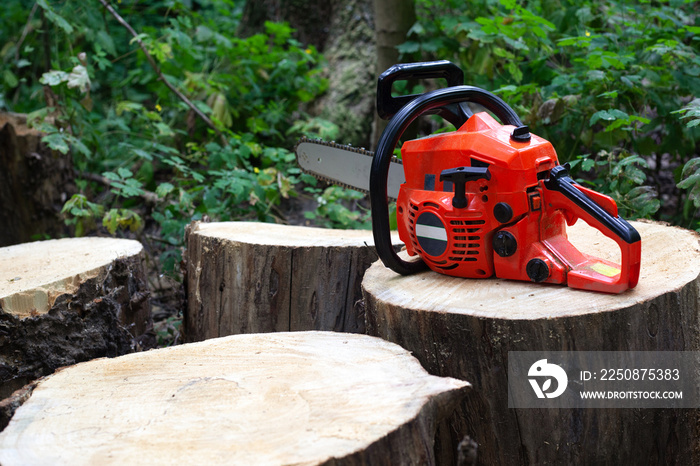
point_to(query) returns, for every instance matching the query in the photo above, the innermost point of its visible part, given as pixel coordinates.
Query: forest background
(179, 110)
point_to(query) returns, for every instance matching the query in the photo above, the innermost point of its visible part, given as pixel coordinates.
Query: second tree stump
(465, 328)
(246, 277)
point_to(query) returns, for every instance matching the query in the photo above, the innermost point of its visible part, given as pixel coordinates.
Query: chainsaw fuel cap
(521, 134)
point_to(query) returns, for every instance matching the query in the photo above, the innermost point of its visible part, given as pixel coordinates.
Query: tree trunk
(69, 300)
(351, 54)
(466, 328)
(245, 277)
(34, 183)
(285, 398)
(344, 31)
(308, 18)
(393, 19)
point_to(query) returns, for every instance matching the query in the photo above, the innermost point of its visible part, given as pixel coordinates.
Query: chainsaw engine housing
(474, 205)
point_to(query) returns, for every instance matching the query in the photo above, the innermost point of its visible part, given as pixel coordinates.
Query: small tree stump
(465, 328)
(245, 277)
(34, 183)
(69, 300)
(278, 398)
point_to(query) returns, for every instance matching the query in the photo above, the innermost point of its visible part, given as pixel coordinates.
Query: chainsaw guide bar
(344, 165)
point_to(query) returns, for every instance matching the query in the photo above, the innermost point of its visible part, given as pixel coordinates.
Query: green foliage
(148, 158)
(168, 331)
(81, 213)
(339, 207)
(594, 77)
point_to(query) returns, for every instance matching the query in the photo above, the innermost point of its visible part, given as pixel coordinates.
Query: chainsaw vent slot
(463, 259)
(467, 222)
(466, 247)
(431, 204)
(448, 267)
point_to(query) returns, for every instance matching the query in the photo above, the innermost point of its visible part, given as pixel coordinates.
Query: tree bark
(351, 55)
(34, 183)
(307, 398)
(393, 19)
(308, 18)
(245, 277)
(466, 328)
(70, 300)
(344, 31)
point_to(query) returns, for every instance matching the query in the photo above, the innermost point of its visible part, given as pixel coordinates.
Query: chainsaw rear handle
(379, 171)
(567, 195)
(388, 106)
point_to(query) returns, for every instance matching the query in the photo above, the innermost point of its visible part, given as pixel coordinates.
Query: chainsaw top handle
(430, 102)
(388, 105)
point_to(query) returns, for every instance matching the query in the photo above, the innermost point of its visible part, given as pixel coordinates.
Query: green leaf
(105, 40)
(10, 79)
(164, 189)
(607, 115)
(79, 78)
(55, 18)
(53, 78)
(124, 172)
(56, 141)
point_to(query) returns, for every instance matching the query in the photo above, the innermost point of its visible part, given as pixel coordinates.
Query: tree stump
(245, 277)
(69, 300)
(465, 328)
(34, 183)
(278, 398)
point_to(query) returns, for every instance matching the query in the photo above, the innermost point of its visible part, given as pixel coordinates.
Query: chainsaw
(489, 199)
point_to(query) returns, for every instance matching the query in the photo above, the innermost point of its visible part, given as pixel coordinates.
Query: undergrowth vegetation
(169, 115)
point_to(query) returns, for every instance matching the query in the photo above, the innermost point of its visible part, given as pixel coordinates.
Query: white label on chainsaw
(426, 231)
(431, 234)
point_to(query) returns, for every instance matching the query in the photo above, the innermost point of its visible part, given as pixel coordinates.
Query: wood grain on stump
(69, 300)
(465, 328)
(245, 277)
(300, 398)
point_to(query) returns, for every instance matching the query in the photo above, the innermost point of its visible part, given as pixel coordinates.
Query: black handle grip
(560, 181)
(382, 158)
(388, 106)
(459, 176)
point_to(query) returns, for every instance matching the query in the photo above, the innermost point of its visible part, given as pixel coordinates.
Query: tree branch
(147, 196)
(156, 68)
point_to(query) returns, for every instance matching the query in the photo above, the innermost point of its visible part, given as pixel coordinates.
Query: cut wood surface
(300, 398)
(465, 328)
(246, 277)
(69, 300)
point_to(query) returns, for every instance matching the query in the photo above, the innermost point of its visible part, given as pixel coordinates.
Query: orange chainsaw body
(511, 221)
